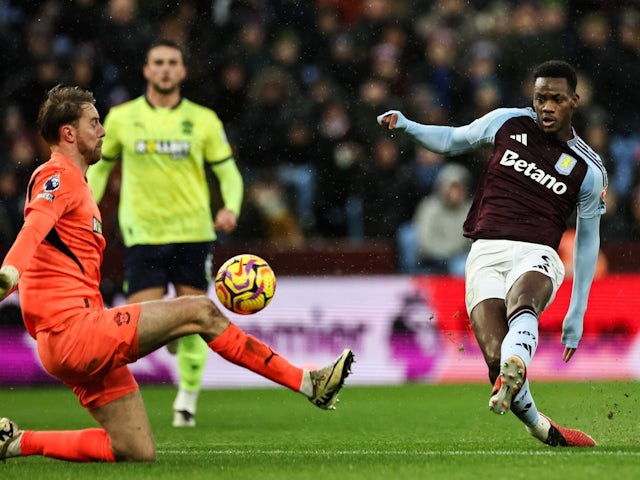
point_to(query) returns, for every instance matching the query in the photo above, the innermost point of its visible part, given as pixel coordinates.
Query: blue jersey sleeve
(586, 249)
(591, 197)
(458, 140)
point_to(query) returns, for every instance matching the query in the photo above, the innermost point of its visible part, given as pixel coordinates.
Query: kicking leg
(166, 320)
(518, 348)
(526, 299)
(488, 320)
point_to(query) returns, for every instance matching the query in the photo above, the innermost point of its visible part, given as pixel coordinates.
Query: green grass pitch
(408, 432)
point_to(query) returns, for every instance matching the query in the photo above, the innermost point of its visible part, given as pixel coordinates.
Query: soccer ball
(245, 284)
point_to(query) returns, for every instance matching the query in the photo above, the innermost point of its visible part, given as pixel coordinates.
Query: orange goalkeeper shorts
(89, 353)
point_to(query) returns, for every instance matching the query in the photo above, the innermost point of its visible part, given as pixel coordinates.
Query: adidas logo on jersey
(531, 170)
(520, 137)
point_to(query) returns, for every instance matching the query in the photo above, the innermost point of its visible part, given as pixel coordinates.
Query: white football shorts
(493, 266)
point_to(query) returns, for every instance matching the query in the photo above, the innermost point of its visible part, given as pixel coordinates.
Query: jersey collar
(154, 107)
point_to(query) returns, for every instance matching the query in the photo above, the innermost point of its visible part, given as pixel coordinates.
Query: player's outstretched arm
(586, 248)
(436, 138)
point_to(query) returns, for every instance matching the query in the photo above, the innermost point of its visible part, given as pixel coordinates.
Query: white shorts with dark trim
(493, 266)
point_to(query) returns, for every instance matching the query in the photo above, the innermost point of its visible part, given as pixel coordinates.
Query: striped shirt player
(539, 173)
(531, 183)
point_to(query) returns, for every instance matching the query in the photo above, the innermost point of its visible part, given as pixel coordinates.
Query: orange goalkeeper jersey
(59, 249)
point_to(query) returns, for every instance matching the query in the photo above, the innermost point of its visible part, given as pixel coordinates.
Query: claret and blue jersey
(532, 182)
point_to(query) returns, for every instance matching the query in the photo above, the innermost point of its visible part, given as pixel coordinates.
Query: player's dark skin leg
(489, 322)
(489, 317)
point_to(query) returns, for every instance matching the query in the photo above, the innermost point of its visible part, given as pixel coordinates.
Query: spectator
(11, 205)
(178, 23)
(373, 96)
(484, 85)
(615, 225)
(286, 53)
(251, 46)
(369, 27)
(435, 56)
(339, 157)
(124, 36)
(439, 70)
(29, 92)
(387, 188)
(528, 42)
(296, 171)
(344, 62)
(78, 22)
(623, 101)
(385, 64)
(593, 43)
(457, 15)
(427, 166)
(634, 211)
(231, 92)
(21, 146)
(268, 201)
(437, 222)
(273, 97)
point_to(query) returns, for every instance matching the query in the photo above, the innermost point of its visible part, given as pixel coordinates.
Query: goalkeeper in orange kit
(55, 264)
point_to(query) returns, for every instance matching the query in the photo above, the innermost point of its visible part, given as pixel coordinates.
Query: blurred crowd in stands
(299, 83)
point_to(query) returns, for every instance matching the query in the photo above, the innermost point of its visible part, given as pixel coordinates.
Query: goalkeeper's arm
(36, 226)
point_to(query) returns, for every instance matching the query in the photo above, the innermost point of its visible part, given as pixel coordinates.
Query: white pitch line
(428, 453)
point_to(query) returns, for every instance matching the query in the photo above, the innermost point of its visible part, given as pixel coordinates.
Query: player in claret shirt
(539, 172)
(55, 261)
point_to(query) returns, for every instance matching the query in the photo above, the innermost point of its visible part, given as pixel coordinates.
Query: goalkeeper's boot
(328, 381)
(549, 432)
(10, 436)
(513, 373)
